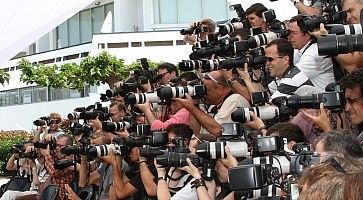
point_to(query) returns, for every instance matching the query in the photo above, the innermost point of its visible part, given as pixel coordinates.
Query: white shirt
(187, 192)
(317, 68)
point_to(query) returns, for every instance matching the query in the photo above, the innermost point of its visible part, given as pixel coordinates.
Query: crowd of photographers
(263, 109)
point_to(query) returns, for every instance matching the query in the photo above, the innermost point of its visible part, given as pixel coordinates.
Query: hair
(243, 33)
(323, 173)
(336, 186)
(352, 80)
(181, 130)
(120, 106)
(69, 140)
(169, 67)
(257, 8)
(284, 48)
(210, 23)
(341, 142)
(290, 131)
(189, 76)
(296, 19)
(55, 116)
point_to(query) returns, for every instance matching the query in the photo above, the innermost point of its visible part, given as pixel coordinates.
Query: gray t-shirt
(107, 179)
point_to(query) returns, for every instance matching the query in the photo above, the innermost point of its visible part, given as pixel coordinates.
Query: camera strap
(216, 108)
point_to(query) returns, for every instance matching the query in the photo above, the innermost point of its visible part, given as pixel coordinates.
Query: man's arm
(307, 10)
(10, 165)
(351, 61)
(147, 179)
(203, 118)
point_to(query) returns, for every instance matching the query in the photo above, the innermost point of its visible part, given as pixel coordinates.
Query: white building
(139, 28)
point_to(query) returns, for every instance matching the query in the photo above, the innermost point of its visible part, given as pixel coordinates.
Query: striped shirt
(292, 79)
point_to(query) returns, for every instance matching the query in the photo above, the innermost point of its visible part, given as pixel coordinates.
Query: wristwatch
(295, 1)
(230, 82)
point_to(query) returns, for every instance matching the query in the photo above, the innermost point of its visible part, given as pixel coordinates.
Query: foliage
(93, 70)
(4, 76)
(7, 140)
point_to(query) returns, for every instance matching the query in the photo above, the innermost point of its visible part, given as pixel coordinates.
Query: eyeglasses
(270, 59)
(352, 100)
(209, 77)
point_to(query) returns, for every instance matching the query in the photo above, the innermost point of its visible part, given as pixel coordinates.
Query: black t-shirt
(137, 183)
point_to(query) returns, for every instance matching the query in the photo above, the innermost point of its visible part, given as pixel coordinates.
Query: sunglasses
(206, 76)
(270, 59)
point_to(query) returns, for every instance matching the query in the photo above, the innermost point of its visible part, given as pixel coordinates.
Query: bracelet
(198, 182)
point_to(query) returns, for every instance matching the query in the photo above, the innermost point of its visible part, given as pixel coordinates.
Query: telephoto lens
(115, 126)
(332, 45)
(174, 159)
(215, 150)
(140, 98)
(266, 112)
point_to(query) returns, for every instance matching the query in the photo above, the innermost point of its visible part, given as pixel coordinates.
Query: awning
(25, 21)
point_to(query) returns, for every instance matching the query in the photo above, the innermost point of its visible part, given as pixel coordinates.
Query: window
(39, 94)
(85, 26)
(187, 11)
(25, 95)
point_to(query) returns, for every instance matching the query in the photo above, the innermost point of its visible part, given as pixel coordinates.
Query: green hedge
(7, 139)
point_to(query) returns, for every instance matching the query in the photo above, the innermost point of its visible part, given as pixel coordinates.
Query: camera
(241, 22)
(198, 29)
(43, 121)
(44, 145)
(78, 129)
(215, 150)
(73, 150)
(151, 152)
(106, 149)
(156, 139)
(332, 45)
(115, 126)
(266, 112)
(167, 93)
(63, 164)
(334, 101)
(175, 159)
(121, 90)
(90, 113)
(140, 98)
(340, 29)
(204, 64)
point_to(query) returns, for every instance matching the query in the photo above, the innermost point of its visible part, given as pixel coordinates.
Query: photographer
(58, 177)
(206, 23)
(50, 129)
(37, 172)
(353, 91)
(166, 71)
(317, 68)
(175, 113)
(254, 16)
(288, 78)
(222, 98)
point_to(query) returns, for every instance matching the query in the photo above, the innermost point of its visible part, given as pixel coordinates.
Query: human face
(54, 125)
(61, 143)
(165, 76)
(276, 64)
(255, 21)
(134, 154)
(116, 114)
(212, 87)
(353, 11)
(354, 104)
(297, 38)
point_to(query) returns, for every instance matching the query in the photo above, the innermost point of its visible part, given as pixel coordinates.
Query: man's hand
(71, 194)
(322, 120)
(244, 73)
(256, 122)
(144, 107)
(109, 159)
(123, 133)
(192, 170)
(319, 32)
(232, 161)
(96, 124)
(186, 103)
(160, 169)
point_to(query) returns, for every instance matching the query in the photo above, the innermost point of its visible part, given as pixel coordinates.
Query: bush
(7, 139)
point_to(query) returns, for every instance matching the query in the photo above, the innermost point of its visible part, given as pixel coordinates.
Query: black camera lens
(332, 45)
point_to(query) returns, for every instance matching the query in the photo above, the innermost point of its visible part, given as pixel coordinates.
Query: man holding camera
(288, 78)
(221, 101)
(317, 68)
(58, 177)
(254, 16)
(205, 24)
(166, 71)
(50, 129)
